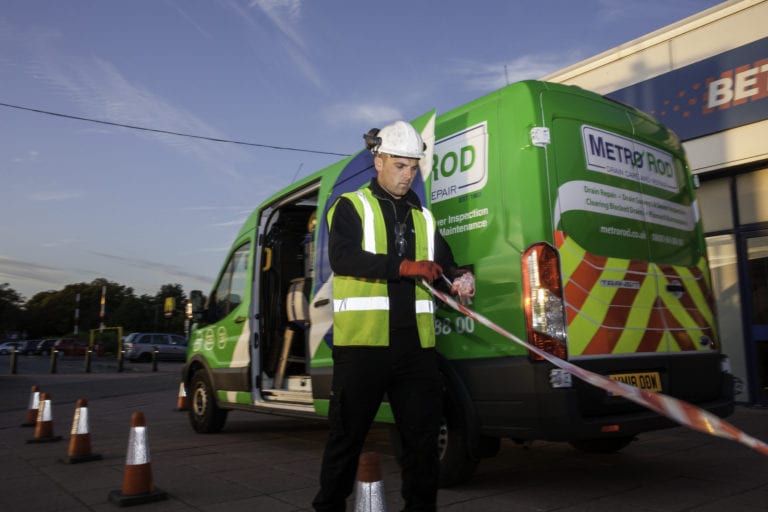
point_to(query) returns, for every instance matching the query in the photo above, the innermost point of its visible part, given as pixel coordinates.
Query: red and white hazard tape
(678, 410)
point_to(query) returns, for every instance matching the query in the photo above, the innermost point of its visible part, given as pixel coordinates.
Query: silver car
(139, 346)
(8, 346)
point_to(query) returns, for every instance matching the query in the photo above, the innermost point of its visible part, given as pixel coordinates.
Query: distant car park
(74, 347)
(140, 346)
(44, 347)
(7, 347)
(27, 347)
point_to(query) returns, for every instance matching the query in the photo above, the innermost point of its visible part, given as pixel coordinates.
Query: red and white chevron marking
(678, 410)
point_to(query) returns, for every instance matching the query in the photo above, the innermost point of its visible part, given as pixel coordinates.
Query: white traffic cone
(34, 405)
(369, 489)
(44, 425)
(80, 436)
(138, 486)
(182, 403)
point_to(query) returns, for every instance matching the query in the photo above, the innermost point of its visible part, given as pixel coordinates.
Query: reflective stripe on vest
(369, 237)
(361, 306)
(425, 306)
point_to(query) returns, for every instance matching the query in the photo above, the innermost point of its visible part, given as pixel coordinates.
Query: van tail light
(543, 295)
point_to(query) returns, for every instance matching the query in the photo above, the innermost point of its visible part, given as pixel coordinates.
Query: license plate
(650, 381)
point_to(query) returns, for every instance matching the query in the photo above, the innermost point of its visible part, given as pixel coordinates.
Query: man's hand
(429, 270)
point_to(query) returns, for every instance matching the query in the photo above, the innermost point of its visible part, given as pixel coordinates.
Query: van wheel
(607, 445)
(456, 464)
(204, 415)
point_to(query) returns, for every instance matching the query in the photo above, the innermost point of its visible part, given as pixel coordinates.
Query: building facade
(706, 77)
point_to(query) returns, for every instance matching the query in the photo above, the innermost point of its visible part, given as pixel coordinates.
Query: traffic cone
(34, 405)
(182, 404)
(369, 490)
(138, 486)
(80, 437)
(44, 425)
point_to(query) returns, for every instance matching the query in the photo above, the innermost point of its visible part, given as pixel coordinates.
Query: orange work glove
(426, 269)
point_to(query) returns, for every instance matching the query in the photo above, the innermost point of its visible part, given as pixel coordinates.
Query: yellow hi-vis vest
(361, 306)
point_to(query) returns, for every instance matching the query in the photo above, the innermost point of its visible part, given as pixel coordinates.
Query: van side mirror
(197, 300)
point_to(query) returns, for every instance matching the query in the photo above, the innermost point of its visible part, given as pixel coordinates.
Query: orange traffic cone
(182, 404)
(80, 437)
(369, 490)
(138, 486)
(44, 425)
(34, 405)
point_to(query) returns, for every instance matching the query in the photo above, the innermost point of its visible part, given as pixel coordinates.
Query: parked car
(7, 347)
(44, 347)
(139, 346)
(74, 347)
(27, 347)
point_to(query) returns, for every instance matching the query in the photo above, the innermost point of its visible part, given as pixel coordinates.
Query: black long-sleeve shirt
(348, 258)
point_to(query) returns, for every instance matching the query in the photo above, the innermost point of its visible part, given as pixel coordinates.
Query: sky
(81, 200)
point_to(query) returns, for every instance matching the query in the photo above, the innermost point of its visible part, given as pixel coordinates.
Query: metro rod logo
(613, 154)
(459, 163)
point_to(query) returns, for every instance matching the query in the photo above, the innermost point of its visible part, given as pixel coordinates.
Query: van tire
(456, 464)
(204, 415)
(606, 445)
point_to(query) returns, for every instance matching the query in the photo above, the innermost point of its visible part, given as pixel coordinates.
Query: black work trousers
(409, 376)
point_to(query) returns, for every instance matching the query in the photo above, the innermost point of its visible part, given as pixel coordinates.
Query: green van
(579, 218)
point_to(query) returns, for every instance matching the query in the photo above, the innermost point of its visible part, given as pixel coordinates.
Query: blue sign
(709, 96)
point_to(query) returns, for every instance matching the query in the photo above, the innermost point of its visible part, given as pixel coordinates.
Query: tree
(52, 313)
(39, 314)
(11, 310)
(175, 321)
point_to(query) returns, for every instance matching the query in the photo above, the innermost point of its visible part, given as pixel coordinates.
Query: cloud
(29, 156)
(102, 92)
(163, 268)
(14, 270)
(28, 278)
(58, 243)
(208, 208)
(489, 76)
(190, 20)
(285, 16)
(363, 113)
(228, 223)
(616, 11)
(54, 195)
(204, 250)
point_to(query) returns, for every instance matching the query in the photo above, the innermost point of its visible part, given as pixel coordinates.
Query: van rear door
(626, 224)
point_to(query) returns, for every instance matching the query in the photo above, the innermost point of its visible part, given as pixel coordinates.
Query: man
(382, 243)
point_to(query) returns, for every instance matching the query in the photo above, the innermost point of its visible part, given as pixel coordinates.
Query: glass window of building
(721, 252)
(752, 190)
(715, 205)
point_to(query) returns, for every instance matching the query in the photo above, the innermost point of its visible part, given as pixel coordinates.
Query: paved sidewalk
(270, 463)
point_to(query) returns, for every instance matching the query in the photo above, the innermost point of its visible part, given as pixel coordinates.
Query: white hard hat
(400, 139)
